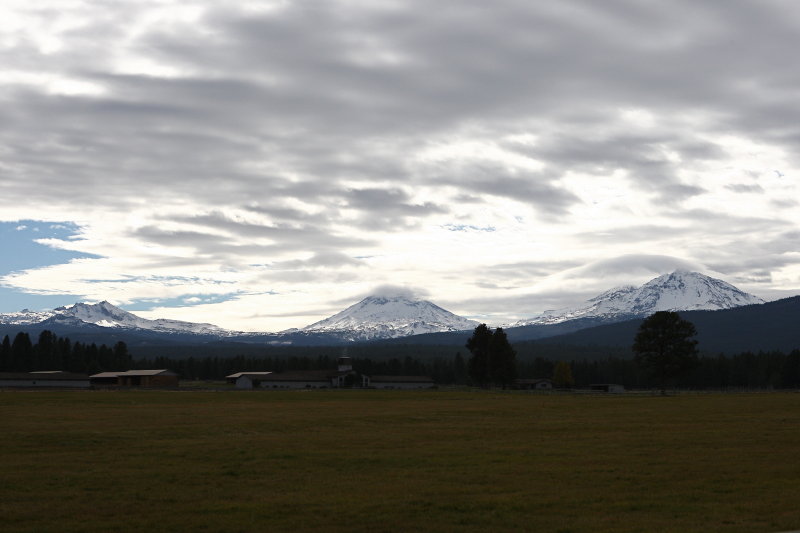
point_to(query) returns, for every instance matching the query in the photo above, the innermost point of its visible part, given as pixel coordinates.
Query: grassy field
(397, 461)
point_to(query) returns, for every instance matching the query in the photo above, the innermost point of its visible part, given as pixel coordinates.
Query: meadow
(99, 461)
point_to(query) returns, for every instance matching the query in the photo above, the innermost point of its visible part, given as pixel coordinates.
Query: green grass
(397, 461)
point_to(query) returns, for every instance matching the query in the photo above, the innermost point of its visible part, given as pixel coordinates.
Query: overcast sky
(260, 165)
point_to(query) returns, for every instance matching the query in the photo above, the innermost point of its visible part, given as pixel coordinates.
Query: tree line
(755, 370)
(52, 352)
(761, 370)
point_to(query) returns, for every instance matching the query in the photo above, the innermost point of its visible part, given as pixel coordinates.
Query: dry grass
(397, 461)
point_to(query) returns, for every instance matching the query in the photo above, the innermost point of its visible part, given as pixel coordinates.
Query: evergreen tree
(665, 346)
(21, 353)
(562, 375)
(478, 364)
(5, 355)
(121, 358)
(502, 359)
(493, 358)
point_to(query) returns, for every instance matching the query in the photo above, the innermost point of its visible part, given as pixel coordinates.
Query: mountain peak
(388, 316)
(680, 290)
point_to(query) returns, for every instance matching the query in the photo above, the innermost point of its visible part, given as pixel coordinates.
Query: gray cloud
(314, 118)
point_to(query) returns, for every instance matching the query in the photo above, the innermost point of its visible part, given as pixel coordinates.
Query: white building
(533, 384)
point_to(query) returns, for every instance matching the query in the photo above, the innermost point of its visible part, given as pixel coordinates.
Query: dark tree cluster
(493, 360)
(52, 352)
(665, 345)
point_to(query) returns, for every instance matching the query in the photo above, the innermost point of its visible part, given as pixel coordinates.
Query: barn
(248, 380)
(233, 378)
(161, 378)
(607, 387)
(533, 384)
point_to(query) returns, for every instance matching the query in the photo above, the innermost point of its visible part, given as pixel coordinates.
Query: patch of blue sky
(12, 300)
(22, 252)
(468, 227)
(185, 300)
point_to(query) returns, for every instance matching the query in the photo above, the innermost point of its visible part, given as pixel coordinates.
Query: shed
(534, 384)
(314, 379)
(607, 387)
(401, 382)
(49, 378)
(148, 378)
(233, 377)
(248, 380)
(105, 379)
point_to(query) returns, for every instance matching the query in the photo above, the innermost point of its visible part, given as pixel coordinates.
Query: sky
(261, 165)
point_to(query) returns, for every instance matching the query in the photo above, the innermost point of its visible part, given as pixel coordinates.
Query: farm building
(607, 387)
(54, 379)
(343, 377)
(248, 380)
(233, 378)
(533, 384)
(136, 378)
(105, 379)
(401, 382)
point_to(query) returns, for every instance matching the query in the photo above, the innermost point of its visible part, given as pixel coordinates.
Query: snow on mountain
(679, 291)
(107, 315)
(383, 317)
(24, 317)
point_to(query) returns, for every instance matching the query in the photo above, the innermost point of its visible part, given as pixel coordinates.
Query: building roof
(240, 374)
(400, 379)
(105, 375)
(160, 372)
(536, 380)
(45, 376)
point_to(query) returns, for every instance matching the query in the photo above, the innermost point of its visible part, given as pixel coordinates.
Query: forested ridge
(446, 365)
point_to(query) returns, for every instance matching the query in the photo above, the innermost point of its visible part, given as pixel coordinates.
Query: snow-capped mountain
(384, 317)
(24, 317)
(678, 291)
(106, 315)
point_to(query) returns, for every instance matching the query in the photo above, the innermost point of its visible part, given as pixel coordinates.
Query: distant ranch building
(607, 387)
(47, 379)
(105, 379)
(250, 380)
(343, 377)
(150, 379)
(533, 384)
(247, 379)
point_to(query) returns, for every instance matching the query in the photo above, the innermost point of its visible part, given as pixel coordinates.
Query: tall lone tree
(664, 345)
(493, 358)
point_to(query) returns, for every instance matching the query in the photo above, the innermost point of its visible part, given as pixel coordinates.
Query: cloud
(243, 144)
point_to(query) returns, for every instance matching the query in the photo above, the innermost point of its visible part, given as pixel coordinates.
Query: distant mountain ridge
(393, 318)
(385, 317)
(678, 291)
(106, 315)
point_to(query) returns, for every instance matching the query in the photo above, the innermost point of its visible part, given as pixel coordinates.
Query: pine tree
(21, 353)
(665, 346)
(478, 364)
(5, 355)
(562, 375)
(493, 358)
(502, 360)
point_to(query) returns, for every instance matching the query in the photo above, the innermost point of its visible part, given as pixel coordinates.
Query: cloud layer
(279, 157)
